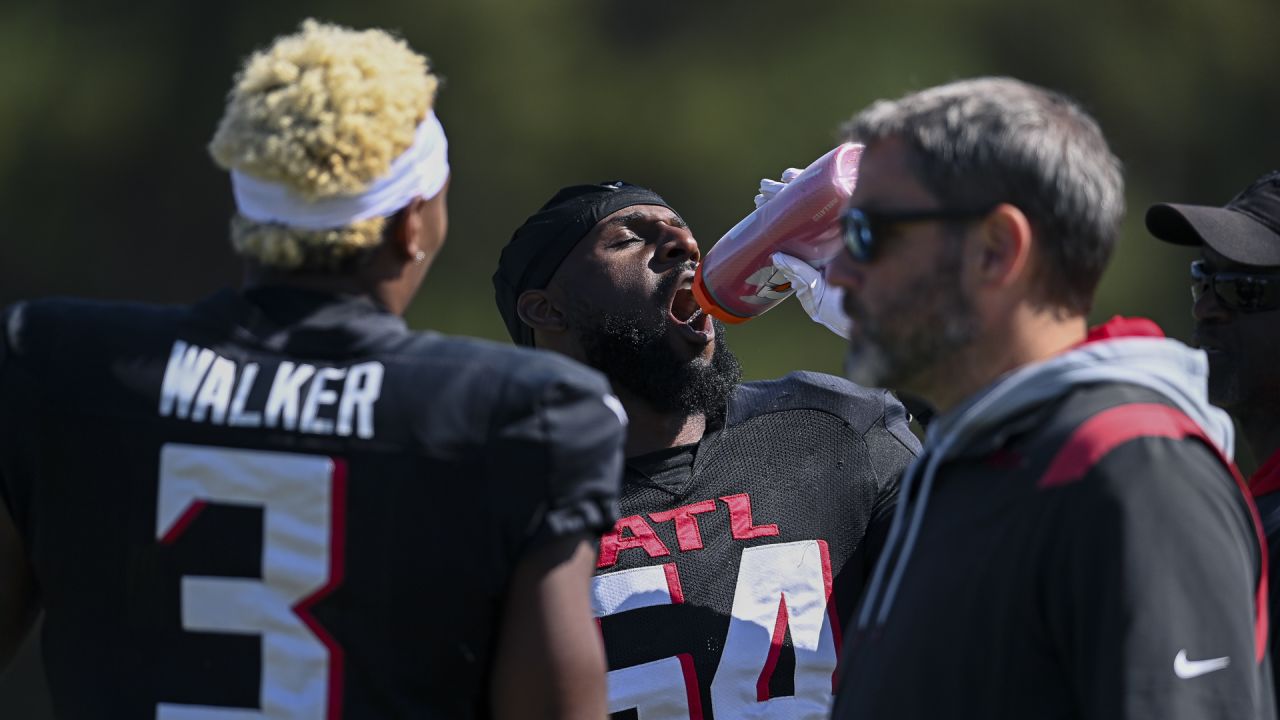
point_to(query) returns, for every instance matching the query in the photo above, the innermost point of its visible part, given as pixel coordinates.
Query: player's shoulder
(35, 329)
(861, 407)
(1106, 414)
(524, 399)
(1117, 437)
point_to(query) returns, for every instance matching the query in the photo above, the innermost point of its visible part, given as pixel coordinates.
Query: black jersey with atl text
(721, 591)
(284, 504)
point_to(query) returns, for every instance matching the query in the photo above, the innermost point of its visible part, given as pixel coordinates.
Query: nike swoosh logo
(1187, 669)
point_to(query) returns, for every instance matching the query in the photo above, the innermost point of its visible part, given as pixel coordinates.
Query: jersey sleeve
(1152, 590)
(892, 447)
(555, 451)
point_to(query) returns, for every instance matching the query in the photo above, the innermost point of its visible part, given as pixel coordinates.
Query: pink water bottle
(736, 280)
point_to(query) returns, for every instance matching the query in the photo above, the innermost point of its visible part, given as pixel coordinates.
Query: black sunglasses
(861, 227)
(1238, 291)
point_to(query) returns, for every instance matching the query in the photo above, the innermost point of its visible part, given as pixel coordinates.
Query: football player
(278, 501)
(751, 512)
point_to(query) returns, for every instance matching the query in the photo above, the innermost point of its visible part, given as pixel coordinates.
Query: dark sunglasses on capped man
(1239, 291)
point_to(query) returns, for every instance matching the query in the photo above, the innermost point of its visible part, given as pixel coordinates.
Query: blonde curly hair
(323, 112)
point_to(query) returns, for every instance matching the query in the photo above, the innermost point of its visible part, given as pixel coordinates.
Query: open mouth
(690, 318)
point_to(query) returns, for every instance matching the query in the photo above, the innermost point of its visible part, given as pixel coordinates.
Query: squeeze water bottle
(736, 280)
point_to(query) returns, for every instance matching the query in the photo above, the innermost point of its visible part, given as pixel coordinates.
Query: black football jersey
(722, 590)
(284, 504)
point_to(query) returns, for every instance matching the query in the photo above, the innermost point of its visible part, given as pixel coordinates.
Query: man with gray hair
(1071, 542)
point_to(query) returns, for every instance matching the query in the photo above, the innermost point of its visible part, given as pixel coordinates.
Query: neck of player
(649, 430)
(386, 279)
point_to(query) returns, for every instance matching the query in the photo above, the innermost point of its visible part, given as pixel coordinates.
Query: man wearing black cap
(751, 513)
(1236, 289)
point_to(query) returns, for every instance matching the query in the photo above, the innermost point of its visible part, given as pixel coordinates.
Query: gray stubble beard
(946, 327)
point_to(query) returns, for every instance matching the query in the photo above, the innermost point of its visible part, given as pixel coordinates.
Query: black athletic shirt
(284, 500)
(723, 589)
(1091, 558)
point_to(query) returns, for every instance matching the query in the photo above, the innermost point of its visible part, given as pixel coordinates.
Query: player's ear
(413, 230)
(1006, 239)
(402, 231)
(538, 310)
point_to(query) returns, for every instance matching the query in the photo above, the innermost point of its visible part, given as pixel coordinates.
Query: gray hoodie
(1165, 366)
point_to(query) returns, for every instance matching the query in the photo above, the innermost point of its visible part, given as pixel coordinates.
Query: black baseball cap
(540, 245)
(1245, 230)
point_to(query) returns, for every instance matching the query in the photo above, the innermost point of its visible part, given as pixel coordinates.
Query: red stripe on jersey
(1266, 479)
(1262, 619)
(775, 651)
(337, 569)
(673, 583)
(1107, 430)
(691, 690)
(833, 613)
(1111, 428)
(183, 522)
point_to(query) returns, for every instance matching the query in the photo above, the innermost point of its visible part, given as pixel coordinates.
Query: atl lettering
(634, 532)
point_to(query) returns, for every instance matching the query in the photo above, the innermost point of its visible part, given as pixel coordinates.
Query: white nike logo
(1187, 669)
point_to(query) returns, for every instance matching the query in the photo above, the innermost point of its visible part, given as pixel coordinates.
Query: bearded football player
(751, 512)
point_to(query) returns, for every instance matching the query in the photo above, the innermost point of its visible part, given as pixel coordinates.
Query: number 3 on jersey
(780, 587)
(302, 499)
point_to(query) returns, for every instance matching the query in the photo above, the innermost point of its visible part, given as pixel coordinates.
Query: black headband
(540, 245)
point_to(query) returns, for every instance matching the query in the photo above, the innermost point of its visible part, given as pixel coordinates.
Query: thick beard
(925, 325)
(634, 352)
(1224, 383)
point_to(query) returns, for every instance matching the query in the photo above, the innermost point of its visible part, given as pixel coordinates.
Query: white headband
(420, 171)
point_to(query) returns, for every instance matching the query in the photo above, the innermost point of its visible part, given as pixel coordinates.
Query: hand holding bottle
(823, 302)
(798, 217)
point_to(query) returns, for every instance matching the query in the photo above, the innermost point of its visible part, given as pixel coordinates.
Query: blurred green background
(106, 189)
